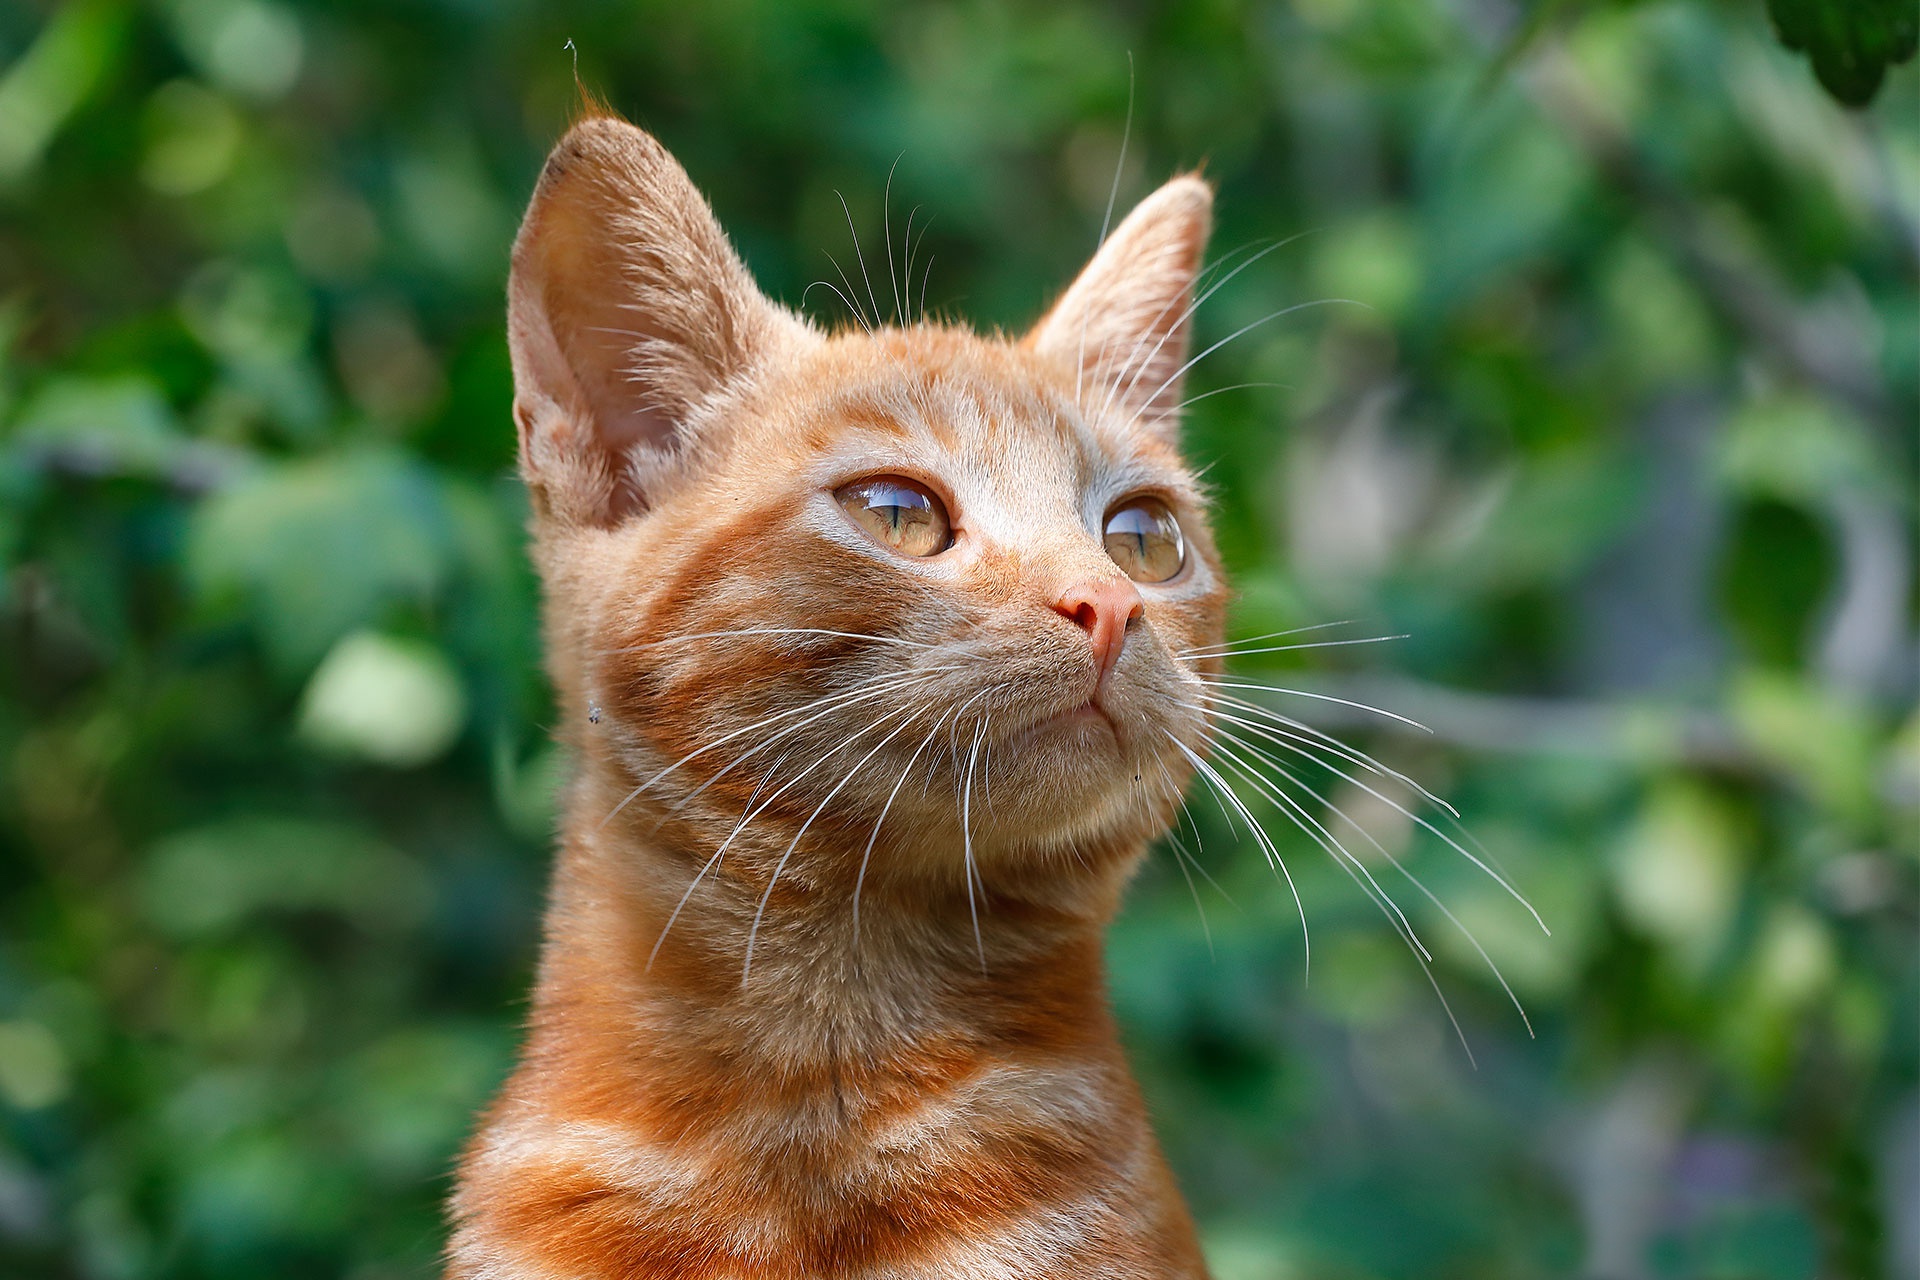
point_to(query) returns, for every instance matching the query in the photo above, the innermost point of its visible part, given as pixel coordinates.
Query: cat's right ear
(627, 311)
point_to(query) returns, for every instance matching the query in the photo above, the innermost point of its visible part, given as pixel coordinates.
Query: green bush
(1621, 435)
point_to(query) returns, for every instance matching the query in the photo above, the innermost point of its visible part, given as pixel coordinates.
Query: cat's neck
(847, 1105)
(649, 935)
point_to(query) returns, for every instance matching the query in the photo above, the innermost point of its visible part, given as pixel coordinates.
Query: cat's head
(963, 583)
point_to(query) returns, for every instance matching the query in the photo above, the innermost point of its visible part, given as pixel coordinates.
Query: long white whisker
(904, 682)
(710, 863)
(1144, 355)
(1243, 330)
(861, 879)
(765, 631)
(856, 693)
(844, 299)
(1190, 401)
(1273, 855)
(845, 296)
(1290, 648)
(849, 296)
(748, 817)
(1298, 739)
(753, 932)
(859, 256)
(1459, 848)
(1180, 859)
(1341, 855)
(906, 268)
(1219, 682)
(1199, 844)
(886, 235)
(1421, 956)
(1419, 884)
(966, 829)
(1271, 635)
(1139, 362)
(1497, 877)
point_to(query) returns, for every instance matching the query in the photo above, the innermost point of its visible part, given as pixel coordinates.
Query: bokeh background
(1623, 439)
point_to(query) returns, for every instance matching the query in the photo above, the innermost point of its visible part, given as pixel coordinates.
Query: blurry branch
(1745, 291)
(1655, 736)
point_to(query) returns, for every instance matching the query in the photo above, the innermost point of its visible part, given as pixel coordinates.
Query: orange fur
(929, 1086)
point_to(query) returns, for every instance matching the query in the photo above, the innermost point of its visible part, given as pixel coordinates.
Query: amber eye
(1144, 539)
(898, 513)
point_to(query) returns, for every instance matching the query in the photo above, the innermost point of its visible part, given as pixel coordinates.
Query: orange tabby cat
(869, 648)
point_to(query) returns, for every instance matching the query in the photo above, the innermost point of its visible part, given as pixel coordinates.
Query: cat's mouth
(1087, 715)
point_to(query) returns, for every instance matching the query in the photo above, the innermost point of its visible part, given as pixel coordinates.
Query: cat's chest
(1037, 1169)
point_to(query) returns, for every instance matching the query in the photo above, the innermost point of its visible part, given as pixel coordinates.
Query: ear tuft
(1124, 325)
(627, 309)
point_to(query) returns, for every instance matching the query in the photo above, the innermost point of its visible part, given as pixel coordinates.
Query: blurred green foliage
(1623, 437)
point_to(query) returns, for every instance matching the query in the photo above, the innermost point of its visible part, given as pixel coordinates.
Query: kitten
(869, 651)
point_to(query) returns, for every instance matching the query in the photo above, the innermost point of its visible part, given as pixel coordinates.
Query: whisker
(753, 932)
(966, 829)
(850, 297)
(1190, 401)
(1421, 955)
(861, 879)
(886, 234)
(906, 252)
(845, 301)
(709, 864)
(753, 813)
(1199, 844)
(1220, 682)
(1401, 867)
(1341, 855)
(1274, 859)
(1242, 331)
(858, 692)
(859, 256)
(1271, 635)
(1143, 355)
(1459, 848)
(766, 631)
(1308, 737)
(904, 682)
(1145, 360)
(1313, 644)
(1180, 859)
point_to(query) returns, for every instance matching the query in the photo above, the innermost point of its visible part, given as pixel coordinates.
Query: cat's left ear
(1126, 321)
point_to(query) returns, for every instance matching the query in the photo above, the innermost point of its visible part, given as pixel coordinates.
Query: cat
(880, 655)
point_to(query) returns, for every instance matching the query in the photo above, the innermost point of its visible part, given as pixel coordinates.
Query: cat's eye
(898, 513)
(1144, 539)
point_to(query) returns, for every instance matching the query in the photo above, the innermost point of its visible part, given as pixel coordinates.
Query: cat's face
(931, 599)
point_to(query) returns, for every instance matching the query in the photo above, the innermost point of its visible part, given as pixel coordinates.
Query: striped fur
(863, 1032)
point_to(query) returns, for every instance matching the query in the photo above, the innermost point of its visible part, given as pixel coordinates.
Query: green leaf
(318, 548)
(1851, 43)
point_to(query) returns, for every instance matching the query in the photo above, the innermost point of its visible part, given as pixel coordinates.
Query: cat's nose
(1103, 608)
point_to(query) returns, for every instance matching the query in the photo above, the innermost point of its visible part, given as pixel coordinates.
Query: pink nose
(1102, 607)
